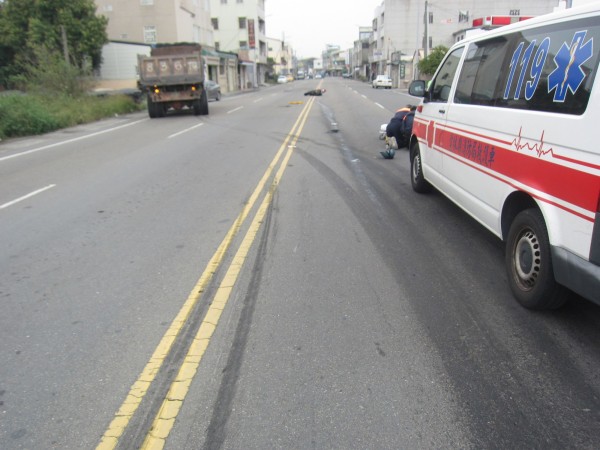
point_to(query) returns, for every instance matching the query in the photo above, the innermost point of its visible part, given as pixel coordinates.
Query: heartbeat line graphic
(538, 147)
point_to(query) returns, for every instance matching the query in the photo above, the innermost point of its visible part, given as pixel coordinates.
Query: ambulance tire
(417, 180)
(529, 263)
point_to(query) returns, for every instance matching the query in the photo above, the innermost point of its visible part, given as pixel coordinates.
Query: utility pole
(63, 33)
(417, 47)
(426, 50)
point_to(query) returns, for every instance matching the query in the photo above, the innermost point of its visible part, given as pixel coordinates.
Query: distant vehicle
(383, 81)
(282, 79)
(173, 77)
(213, 90)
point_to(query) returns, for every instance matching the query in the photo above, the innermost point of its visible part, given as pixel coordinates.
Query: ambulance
(509, 130)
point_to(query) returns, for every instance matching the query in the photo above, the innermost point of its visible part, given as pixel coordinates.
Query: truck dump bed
(173, 78)
(178, 64)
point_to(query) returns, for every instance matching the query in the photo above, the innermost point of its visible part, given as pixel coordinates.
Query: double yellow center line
(167, 413)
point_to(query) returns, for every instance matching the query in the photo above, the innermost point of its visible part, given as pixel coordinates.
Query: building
(239, 27)
(280, 54)
(405, 31)
(154, 21)
(119, 65)
(360, 67)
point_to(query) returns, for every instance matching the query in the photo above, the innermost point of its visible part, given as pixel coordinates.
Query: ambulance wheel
(529, 263)
(417, 180)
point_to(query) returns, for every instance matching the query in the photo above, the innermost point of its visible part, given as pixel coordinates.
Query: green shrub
(21, 116)
(30, 114)
(429, 65)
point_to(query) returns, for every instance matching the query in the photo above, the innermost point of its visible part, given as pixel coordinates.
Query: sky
(309, 25)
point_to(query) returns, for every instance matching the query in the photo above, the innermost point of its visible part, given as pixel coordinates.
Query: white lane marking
(379, 105)
(185, 131)
(236, 109)
(31, 194)
(68, 141)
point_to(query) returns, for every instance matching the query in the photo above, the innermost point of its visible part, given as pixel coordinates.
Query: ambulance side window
(442, 83)
(481, 72)
(550, 68)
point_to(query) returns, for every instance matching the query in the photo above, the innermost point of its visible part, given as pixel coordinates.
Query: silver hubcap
(528, 259)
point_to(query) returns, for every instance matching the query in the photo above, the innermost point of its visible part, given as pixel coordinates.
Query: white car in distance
(383, 81)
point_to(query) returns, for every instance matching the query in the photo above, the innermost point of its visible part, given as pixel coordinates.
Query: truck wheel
(162, 109)
(529, 263)
(417, 180)
(152, 109)
(204, 104)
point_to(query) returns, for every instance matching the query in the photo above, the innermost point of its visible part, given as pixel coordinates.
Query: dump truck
(173, 77)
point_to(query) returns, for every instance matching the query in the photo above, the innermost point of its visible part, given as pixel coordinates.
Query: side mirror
(417, 88)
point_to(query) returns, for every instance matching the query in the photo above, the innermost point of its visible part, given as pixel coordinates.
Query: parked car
(282, 79)
(213, 90)
(383, 81)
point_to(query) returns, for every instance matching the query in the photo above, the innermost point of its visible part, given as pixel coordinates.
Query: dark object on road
(315, 92)
(388, 153)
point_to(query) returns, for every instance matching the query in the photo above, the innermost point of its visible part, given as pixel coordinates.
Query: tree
(69, 27)
(429, 65)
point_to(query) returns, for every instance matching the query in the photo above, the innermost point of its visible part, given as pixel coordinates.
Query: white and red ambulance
(509, 129)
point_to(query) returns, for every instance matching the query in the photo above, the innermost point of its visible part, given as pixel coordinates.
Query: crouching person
(400, 125)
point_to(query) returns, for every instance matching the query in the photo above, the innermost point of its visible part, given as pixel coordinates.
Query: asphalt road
(254, 279)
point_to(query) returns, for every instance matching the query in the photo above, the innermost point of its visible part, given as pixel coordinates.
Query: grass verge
(28, 114)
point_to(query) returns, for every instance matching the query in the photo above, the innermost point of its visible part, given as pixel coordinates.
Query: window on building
(150, 34)
(215, 23)
(242, 22)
